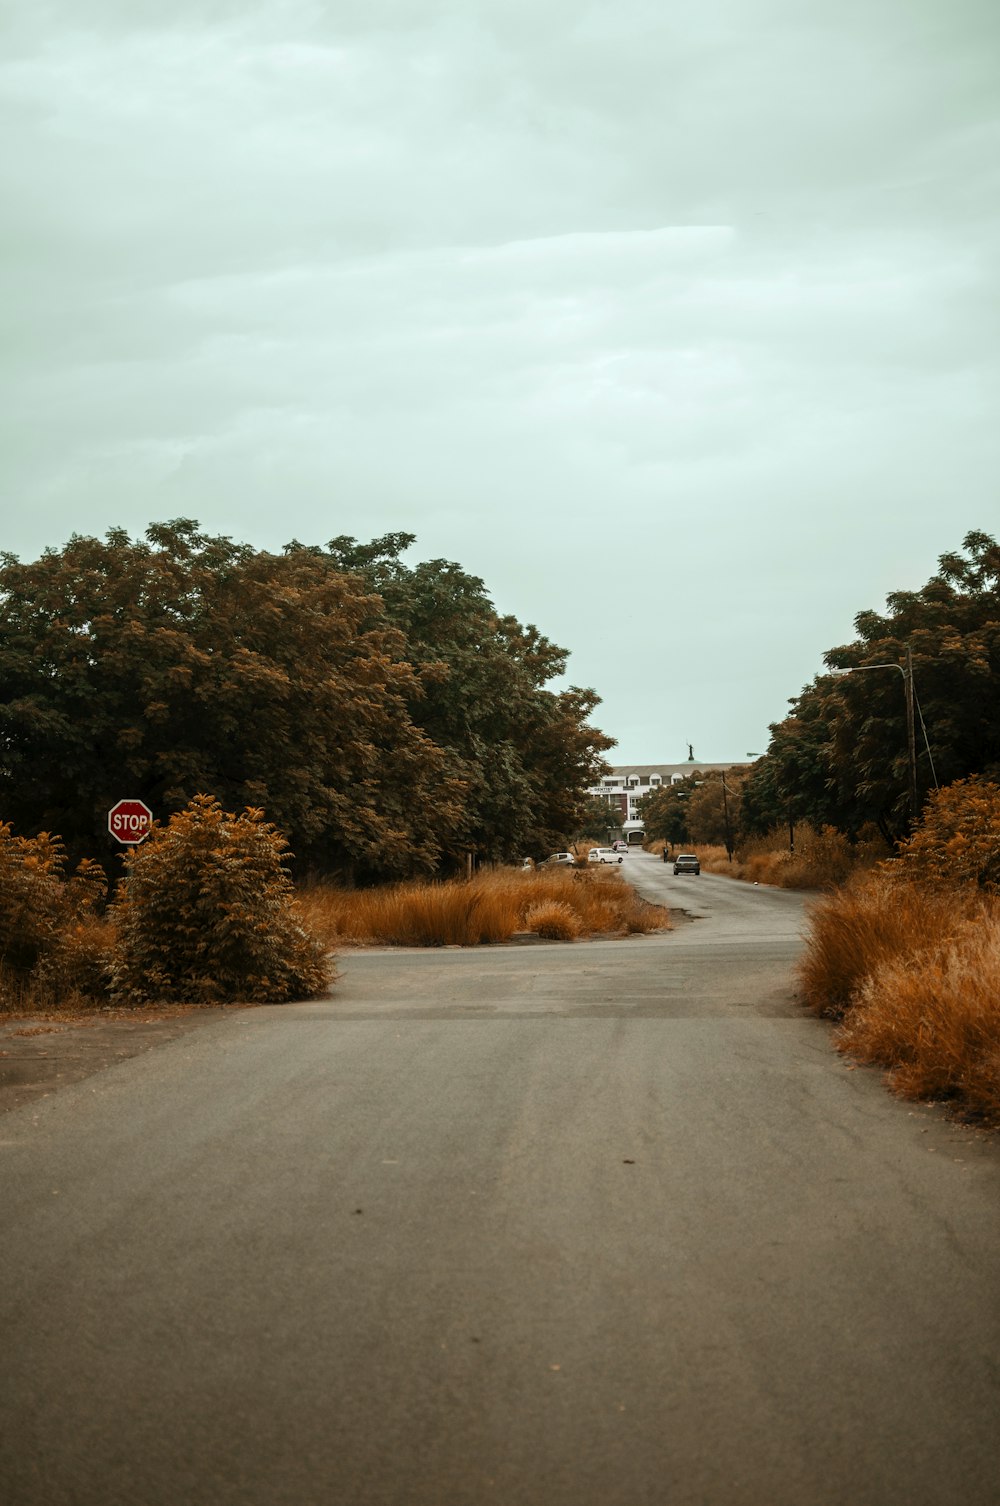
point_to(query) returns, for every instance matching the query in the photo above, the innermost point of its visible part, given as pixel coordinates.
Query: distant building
(625, 786)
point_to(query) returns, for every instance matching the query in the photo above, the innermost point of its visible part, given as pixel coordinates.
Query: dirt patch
(42, 1053)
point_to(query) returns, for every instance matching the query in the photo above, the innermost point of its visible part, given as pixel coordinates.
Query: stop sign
(130, 820)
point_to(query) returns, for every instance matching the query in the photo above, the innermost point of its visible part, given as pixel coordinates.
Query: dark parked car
(687, 862)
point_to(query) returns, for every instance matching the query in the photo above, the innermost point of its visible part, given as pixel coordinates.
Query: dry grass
(937, 1024)
(821, 860)
(553, 919)
(488, 908)
(935, 1021)
(913, 974)
(867, 925)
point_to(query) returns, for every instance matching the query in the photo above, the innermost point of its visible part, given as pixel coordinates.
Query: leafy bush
(958, 839)
(31, 896)
(76, 968)
(207, 914)
(44, 919)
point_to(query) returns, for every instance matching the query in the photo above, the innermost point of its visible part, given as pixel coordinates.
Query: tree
(188, 665)
(599, 820)
(842, 757)
(664, 811)
(794, 781)
(386, 718)
(713, 814)
(525, 754)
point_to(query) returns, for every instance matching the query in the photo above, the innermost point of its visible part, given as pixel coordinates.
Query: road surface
(603, 1224)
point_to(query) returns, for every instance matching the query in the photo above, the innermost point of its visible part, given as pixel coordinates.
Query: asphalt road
(602, 1224)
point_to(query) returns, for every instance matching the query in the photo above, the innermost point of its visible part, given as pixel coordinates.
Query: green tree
(794, 781)
(600, 820)
(183, 665)
(842, 757)
(664, 811)
(714, 806)
(525, 754)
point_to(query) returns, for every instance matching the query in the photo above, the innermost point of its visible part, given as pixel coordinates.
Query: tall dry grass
(486, 909)
(821, 860)
(867, 925)
(936, 1025)
(912, 972)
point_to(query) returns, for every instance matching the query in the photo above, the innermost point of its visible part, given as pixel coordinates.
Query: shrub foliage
(207, 914)
(48, 930)
(958, 840)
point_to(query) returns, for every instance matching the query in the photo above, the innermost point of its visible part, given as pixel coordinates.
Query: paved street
(602, 1224)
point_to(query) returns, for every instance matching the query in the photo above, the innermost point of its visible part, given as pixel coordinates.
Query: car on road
(620, 846)
(604, 855)
(556, 858)
(687, 862)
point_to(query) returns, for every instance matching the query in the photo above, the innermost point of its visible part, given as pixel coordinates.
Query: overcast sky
(676, 323)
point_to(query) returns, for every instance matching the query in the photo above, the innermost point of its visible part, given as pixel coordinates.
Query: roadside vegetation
(819, 859)
(882, 790)
(207, 914)
(386, 716)
(842, 769)
(560, 904)
(903, 945)
(906, 957)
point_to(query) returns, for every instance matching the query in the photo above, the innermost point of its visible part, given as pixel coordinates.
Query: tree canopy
(383, 717)
(841, 757)
(524, 754)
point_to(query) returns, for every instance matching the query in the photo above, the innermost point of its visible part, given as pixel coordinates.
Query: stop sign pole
(129, 821)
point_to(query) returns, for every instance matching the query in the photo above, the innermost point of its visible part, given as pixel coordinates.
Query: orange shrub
(207, 914)
(936, 1022)
(958, 839)
(52, 946)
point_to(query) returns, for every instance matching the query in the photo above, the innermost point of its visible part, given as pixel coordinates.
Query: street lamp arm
(858, 669)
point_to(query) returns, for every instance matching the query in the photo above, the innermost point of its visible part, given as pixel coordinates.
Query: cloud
(579, 295)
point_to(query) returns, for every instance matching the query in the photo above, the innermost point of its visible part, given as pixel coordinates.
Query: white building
(625, 786)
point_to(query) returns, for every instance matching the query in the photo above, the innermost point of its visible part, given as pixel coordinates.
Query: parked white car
(557, 858)
(604, 855)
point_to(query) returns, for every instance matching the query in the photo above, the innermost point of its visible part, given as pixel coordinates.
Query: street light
(911, 739)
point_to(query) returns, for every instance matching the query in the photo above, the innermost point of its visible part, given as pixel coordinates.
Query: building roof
(666, 770)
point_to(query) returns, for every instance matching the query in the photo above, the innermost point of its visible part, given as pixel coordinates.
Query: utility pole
(729, 830)
(911, 736)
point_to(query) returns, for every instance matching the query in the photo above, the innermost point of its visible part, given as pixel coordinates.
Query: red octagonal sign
(130, 821)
